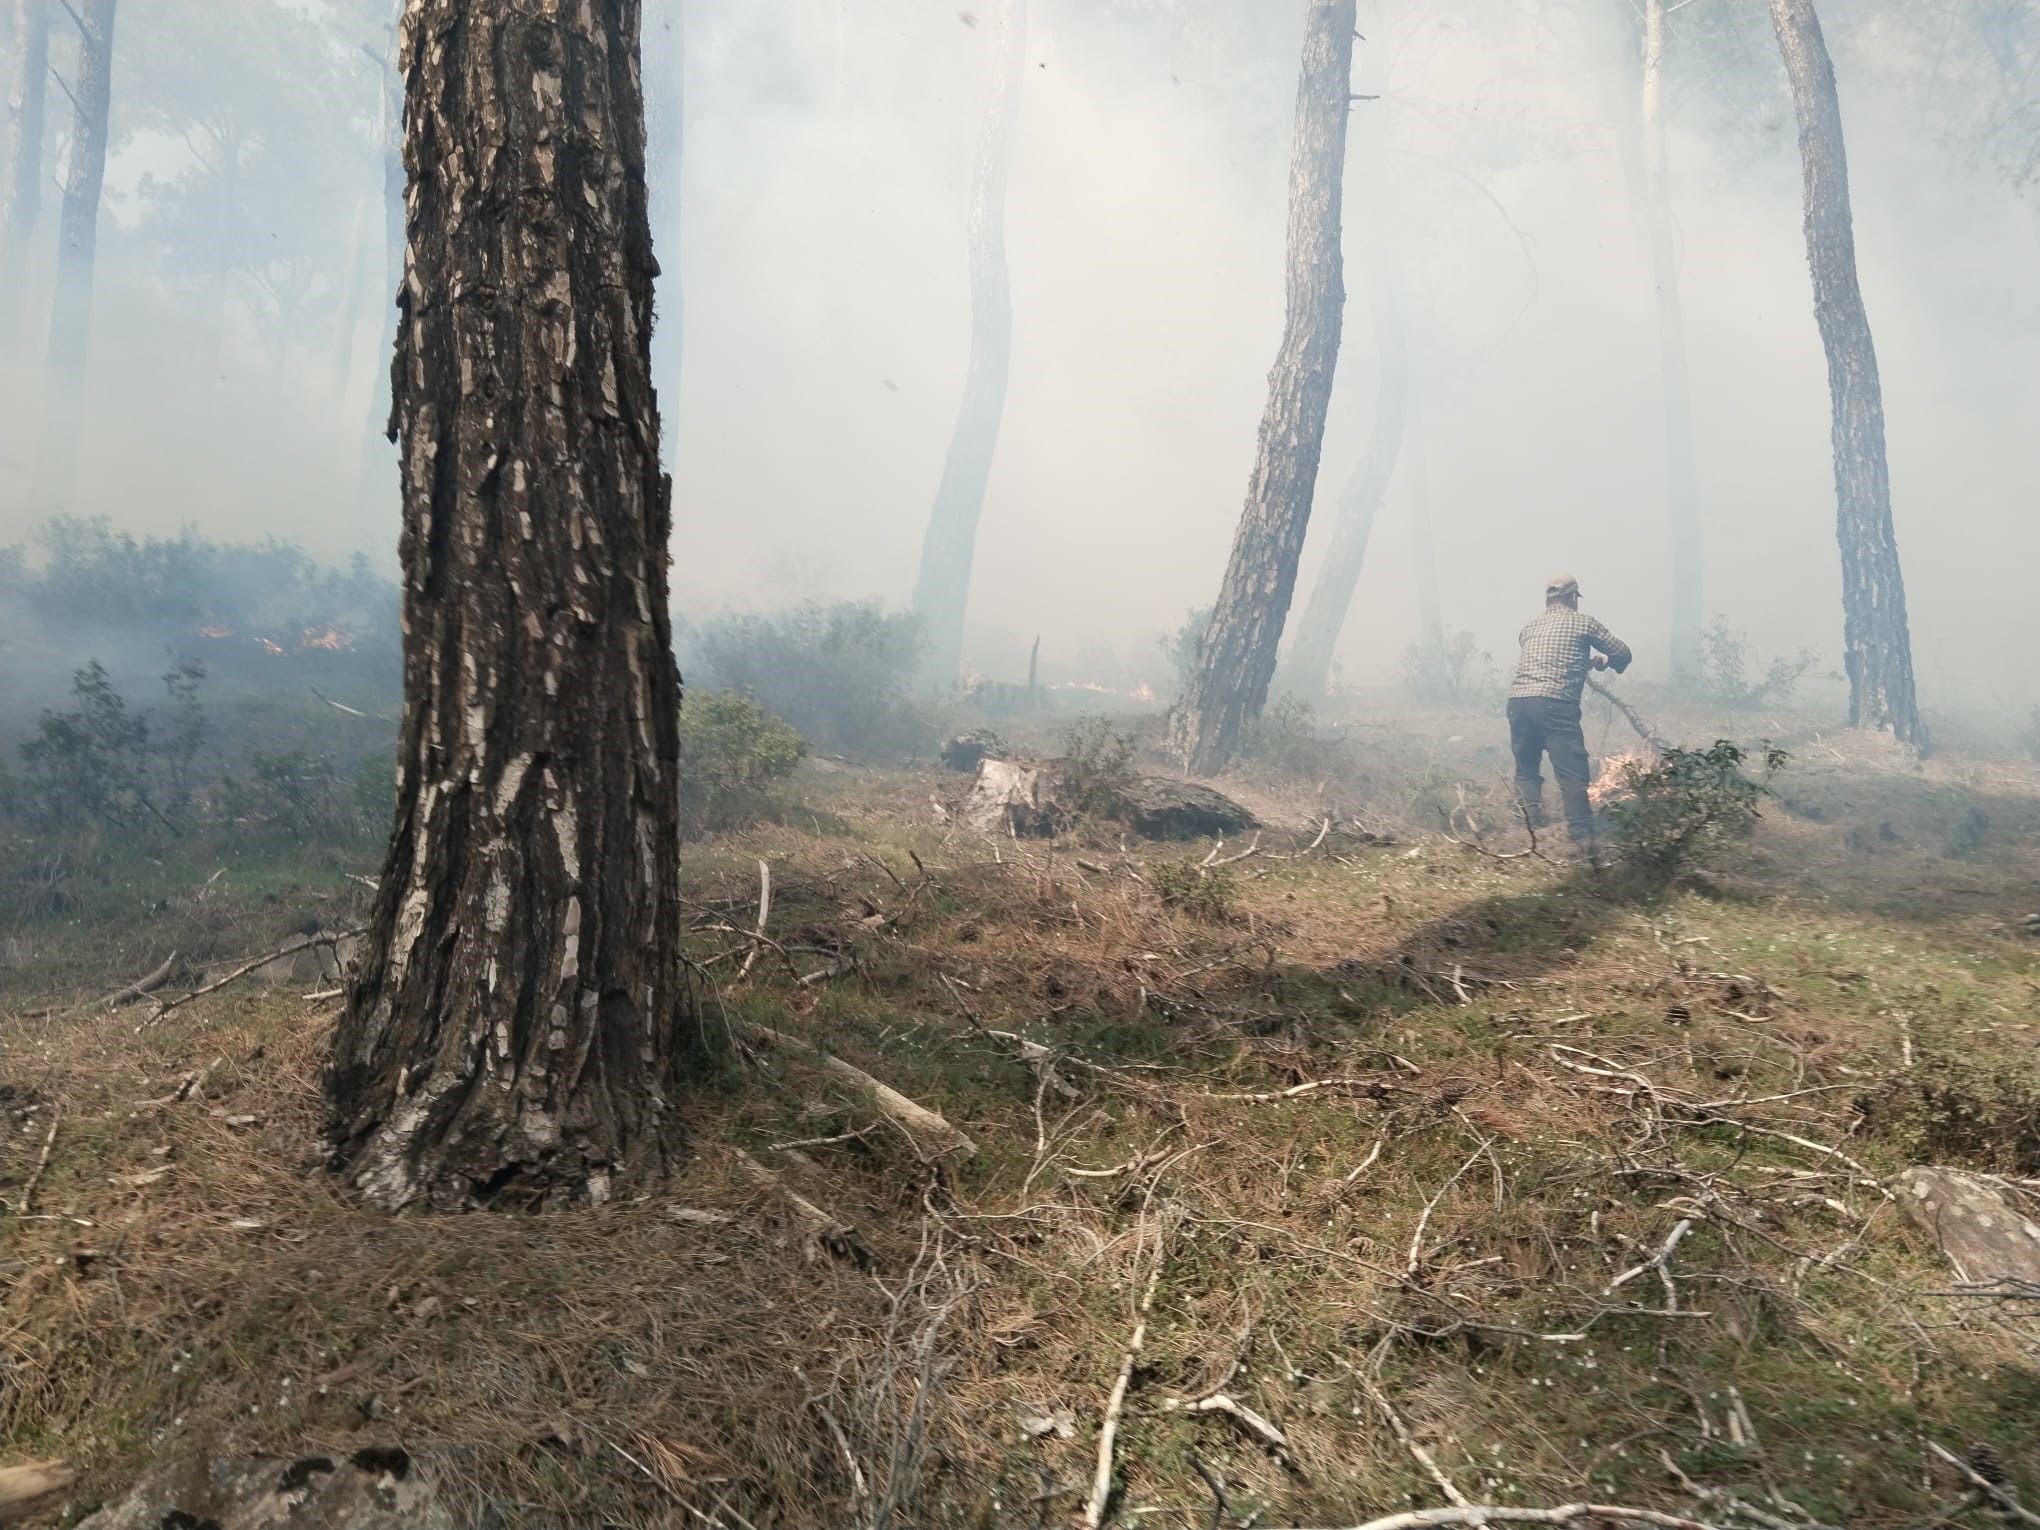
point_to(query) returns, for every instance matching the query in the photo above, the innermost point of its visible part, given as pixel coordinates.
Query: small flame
(330, 638)
(215, 630)
(1613, 780)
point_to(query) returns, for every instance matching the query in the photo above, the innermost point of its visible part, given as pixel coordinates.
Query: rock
(966, 751)
(1983, 1234)
(1013, 797)
(1162, 807)
(379, 1488)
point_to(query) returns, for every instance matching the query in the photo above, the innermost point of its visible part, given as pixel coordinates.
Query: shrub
(1284, 742)
(1688, 798)
(91, 763)
(1096, 769)
(732, 754)
(1180, 647)
(841, 674)
(1449, 668)
(1202, 892)
(1723, 678)
(1950, 1108)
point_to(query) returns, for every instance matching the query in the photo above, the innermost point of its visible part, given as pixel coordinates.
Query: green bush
(1724, 678)
(1285, 743)
(732, 754)
(1687, 799)
(1202, 892)
(841, 674)
(1180, 647)
(93, 763)
(1096, 769)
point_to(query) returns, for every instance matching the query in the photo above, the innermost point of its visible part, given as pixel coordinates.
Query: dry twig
(1108, 1429)
(247, 967)
(917, 1120)
(135, 990)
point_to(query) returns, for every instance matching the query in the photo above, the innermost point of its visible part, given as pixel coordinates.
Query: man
(1559, 648)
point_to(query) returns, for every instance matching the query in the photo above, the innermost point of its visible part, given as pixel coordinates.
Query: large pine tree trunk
(1682, 492)
(21, 195)
(1876, 646)
(513, 1033)
(943, 589)
(77, 252)
(1331, 598)
(1236, 659)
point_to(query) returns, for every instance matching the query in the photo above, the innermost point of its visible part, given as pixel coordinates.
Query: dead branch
(838, 1237)
(764, 913)
(42, 1162)
(1250, 1421)
(1643, 730)
(1372, 1086)
(1037, 1057)
(917, 1120)
(2002, 1496)
(1108, 1428)
(1657, 1262)
(244, 969)
(135, 990)
(1212, 863)
(1416, 1258)
(1422, 1457)
(1500, 1514)
(335, 705)
(29, 1490)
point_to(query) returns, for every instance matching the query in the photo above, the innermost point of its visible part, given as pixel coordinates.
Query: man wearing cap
(1559, 648)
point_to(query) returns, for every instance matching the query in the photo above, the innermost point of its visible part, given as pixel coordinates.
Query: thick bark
(1331, 598)
(21, 196)
(77, 250)
(1236, 659)
(1876, 645)
(1682, 493)
(943, 588)
(515, 1027)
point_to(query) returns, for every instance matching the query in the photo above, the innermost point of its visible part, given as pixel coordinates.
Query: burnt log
(1029, 799)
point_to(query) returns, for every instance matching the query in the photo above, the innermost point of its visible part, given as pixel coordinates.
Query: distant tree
(77, 248)
(1876, 644)
(942, 591)
(513, 1033)
(21, 194)
(1236, 659)
(1682, 491)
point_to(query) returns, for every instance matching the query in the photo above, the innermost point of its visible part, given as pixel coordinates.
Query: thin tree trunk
(1331, 598)
(1682, 492)
(1876, 645)
(23, 189)
(77, 250)
(1236, 659)
(942, 590)
(514, 1030)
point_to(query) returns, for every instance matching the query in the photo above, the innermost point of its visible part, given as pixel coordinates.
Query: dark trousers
(1540, 725)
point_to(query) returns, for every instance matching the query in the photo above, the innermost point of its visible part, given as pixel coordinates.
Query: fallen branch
(41, 1163)
(1417, 1452)
(245, 968)
(1657, 1262)
(913, 1117)
(1643, 729)
(135, 990)
(838, 1237)
(1503, 1514)
(764, 913)
(1037, 1057)
(336, 705)
(2002, 1496)
(1416, 1258)
(1373, 1086)
(1108, 1428)
(1250, 1421)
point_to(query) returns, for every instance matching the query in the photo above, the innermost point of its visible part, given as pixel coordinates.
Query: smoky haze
(817, 239)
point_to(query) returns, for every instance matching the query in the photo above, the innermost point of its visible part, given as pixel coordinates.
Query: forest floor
(1423, 1175)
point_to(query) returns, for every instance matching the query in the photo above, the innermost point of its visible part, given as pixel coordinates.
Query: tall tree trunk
(666, 97)
(1331, 598)
(514, 1030)
(77, 249)
(1236, 659)
(943, 588)
(23, 190)
(1682, 491)
(1876, 645)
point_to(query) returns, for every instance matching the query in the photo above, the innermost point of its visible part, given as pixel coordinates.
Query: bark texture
(77, 251)
(1331, 598)
(1682, 491)
(21, 195)
(1236, 659)
(1876, 645)
(943, 589)
(514, 1029)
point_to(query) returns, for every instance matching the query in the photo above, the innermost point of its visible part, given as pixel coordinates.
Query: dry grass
(1393, 1125)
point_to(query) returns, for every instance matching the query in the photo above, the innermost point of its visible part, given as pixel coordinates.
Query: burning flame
(1613, 780)
(329, 637)
(215, 630)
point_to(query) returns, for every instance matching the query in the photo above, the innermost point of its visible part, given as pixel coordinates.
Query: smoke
(820, 246)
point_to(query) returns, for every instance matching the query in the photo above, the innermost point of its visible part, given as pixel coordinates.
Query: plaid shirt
(1558, 650)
